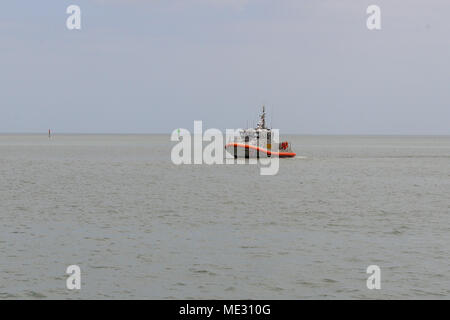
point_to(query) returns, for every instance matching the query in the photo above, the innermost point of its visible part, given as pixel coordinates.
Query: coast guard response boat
(257, 143)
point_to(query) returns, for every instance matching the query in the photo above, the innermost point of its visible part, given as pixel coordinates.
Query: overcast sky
(156, 65)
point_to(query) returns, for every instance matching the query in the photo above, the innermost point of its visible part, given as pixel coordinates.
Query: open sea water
(141, 227)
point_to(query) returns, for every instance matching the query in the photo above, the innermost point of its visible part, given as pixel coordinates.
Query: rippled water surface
(141, 227)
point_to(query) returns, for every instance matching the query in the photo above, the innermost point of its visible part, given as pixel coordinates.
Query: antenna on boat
(262, 119)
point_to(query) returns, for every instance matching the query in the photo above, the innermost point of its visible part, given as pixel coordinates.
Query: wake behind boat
(257, 142)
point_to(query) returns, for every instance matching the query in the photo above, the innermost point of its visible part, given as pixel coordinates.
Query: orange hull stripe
(247, 146)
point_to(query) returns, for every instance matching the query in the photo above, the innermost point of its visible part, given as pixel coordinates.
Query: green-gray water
(141, 227)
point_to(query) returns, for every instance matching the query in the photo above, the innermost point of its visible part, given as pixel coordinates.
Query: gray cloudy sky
(153, 66)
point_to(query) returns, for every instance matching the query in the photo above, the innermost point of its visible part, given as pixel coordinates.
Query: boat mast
(262, 120)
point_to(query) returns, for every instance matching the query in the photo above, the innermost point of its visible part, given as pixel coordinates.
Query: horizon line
(288, 133)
